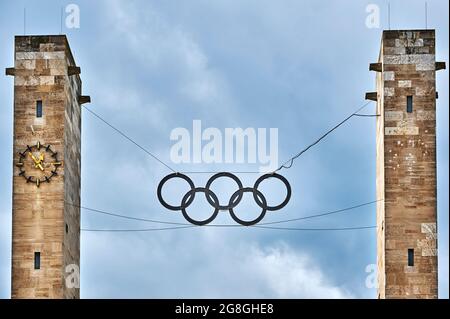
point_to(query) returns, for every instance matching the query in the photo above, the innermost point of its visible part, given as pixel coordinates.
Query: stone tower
(406, 164)
(46, 169)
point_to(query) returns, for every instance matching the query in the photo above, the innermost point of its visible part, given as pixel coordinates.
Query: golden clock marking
(38, 161)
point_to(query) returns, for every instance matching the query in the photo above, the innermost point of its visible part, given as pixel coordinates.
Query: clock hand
(37, 163)
(34, 158)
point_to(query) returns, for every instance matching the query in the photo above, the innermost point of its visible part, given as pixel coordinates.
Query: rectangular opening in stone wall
(409, 104)
(410, 257)
(38, 108)
(37, 260)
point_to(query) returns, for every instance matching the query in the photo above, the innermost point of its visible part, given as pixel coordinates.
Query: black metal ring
(233, 177)
(256, 193)
(164, 180)
(191, 194)
(288, 191)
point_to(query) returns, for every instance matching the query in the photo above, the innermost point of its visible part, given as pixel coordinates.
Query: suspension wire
(233, 172)
(184, 225)
(136, 230)
(315, 229)
(129, 138)
(93, 210)
(292, 159)
(322, 214)
(224, 225)
(286, 165)
(254, 226)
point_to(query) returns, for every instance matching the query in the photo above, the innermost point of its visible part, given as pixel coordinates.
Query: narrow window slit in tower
(37, 260)
(409, 104)
(38, 108)
(410, 257)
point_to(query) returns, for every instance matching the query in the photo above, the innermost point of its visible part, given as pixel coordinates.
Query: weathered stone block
(406, 130)
(389, 76)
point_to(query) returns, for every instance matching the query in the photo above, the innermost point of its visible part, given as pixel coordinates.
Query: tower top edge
(427, 33)
(30, 43)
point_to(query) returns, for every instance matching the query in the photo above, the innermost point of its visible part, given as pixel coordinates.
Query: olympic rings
(213, 200)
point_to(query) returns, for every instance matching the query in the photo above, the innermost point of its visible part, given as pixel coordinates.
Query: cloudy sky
(152, 66)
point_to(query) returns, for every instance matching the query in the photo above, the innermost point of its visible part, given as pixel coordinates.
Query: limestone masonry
(46, 230)
(406, 164)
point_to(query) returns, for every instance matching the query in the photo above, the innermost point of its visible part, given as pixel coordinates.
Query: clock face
(38, 164)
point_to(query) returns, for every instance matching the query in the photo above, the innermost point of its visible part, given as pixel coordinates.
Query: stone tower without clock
(406, 164)
(46, 168)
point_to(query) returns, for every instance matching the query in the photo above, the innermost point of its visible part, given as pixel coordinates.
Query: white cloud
(291, 274)
(160, 46)
(199, 264)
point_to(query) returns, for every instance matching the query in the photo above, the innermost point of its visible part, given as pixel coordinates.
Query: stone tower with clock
(46, 164)
(406, 164)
